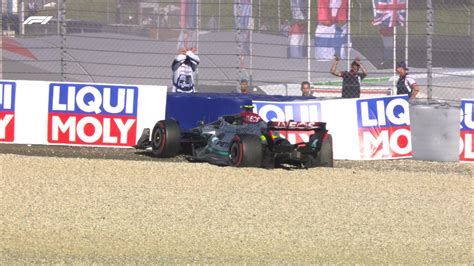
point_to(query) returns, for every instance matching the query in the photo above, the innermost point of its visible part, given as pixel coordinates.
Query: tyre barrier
(435, 131)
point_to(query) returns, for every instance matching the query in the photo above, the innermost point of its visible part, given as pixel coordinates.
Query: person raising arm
(351, 79)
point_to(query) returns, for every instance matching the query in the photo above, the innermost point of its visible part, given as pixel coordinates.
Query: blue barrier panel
(188, 109)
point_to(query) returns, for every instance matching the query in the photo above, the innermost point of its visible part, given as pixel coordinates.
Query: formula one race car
(243, 140)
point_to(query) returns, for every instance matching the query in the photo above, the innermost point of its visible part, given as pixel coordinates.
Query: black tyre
(245, 150)
(166, 138)
(324, 157)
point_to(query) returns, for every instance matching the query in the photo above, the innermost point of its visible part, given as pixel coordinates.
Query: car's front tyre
(166, 138)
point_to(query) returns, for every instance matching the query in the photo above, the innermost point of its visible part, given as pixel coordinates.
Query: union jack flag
(389, 13)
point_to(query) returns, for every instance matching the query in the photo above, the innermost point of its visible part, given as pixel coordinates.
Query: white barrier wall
(362, 129)
(39, 112)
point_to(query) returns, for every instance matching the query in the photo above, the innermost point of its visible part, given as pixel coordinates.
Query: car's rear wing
(296, 126)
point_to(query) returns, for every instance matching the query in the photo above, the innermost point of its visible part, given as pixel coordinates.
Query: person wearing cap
(244, 86)
(306, 89)
(184, 66)
(406, 84)
(350, 79)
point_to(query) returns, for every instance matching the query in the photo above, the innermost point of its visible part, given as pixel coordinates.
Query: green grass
(97, 10)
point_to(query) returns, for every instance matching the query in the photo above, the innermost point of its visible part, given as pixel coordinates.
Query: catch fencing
(274, 44)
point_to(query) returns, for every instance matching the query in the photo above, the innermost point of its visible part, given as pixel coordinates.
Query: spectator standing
(350, 79)
(244, 86)
(184, 66)
(406, 84)
(306, 89)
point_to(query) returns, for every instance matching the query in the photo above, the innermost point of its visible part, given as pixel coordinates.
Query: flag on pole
(244, 23)
(297, 29)
(299, 9)
(331, 32)
(243, 14)
(296, 48)
(188, 18)
(332, 11)
(188, 23)
(389, 13)
(330, 41)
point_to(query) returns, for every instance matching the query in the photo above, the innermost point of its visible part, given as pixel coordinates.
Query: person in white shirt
(406, 84)
(184, 66)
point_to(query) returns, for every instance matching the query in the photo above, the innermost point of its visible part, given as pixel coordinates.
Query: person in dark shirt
(350, 79)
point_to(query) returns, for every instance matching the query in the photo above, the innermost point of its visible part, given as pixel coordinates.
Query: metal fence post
(63, 31)
(469, 20)
(429, 50)
(239, 44)
(22, 17)
(219, 17)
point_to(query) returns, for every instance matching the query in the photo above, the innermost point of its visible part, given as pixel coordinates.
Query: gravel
(147, 211)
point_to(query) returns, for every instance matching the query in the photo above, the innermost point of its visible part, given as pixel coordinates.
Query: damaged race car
(243, 140)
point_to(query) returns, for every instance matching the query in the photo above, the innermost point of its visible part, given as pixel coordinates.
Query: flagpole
(259, 15)
(219, 19)
(373, 9)
(309, 41)
(279, 16)
(198, 19)
(394, 89)
(251, 28)
(348, 33)
(406, 33)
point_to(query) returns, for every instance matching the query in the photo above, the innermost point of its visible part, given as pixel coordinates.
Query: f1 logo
(37, 20)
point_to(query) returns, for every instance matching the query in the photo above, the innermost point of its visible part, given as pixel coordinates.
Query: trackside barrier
(39, 112)
(55, 113)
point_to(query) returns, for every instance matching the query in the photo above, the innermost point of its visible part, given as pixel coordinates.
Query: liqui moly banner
(7, 111)
(39, 112)
(304, 111)
(384, 128)
(340, 116)
(372, 128)
(92, 114)
(466, 145)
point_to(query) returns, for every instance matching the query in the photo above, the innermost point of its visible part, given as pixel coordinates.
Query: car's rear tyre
(166, 138)
(324, 157)
(245, 150)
